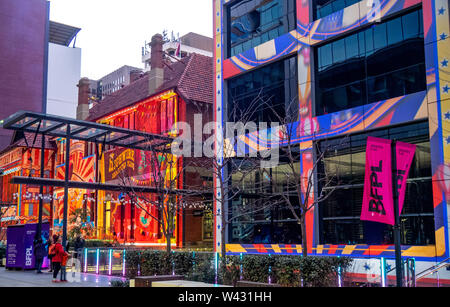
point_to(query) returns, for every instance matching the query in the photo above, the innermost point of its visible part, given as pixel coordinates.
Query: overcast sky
(113, 32)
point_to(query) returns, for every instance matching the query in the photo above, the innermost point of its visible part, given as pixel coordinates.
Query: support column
(66, 187)
(41, 188)
(397, 226)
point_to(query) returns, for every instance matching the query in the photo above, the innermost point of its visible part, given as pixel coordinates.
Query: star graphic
(443, 36)
(444, 63)
(441, 11)
(446, 89)
(388, 267)
(367, 267)
(447, 116)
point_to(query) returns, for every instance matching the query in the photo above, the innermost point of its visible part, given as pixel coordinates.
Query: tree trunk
(304, 238)
(222, 244)
(168, 241)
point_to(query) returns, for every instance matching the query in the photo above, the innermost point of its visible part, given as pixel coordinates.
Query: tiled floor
(9, 278)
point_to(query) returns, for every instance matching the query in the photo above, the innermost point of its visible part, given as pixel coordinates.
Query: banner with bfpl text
(378, 205)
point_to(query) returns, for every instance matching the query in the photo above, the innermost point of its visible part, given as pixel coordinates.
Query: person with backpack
(39, 253)
(58, 252)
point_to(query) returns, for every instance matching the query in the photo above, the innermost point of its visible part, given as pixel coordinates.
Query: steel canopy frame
(101, 186)
(58, 126)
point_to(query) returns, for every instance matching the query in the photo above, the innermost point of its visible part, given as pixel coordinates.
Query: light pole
(397, 238)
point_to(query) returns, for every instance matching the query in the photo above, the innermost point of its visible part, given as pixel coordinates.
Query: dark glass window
(253, 22)
(252, 220)
(324, 8)
(344, 164)
(384, 61)
(265, 94)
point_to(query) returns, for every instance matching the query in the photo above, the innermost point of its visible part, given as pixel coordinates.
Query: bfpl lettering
(376, 200)
(29, 256)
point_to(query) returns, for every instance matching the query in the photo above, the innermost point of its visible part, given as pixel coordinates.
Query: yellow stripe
(235, 248)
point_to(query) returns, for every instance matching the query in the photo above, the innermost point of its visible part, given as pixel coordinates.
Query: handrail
(433, 269)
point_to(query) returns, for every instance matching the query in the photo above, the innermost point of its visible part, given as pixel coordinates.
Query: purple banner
(20, 248)
(14, 247)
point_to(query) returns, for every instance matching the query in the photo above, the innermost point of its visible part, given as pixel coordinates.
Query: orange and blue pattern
(432, 104)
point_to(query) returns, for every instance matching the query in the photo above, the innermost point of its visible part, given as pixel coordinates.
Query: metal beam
(34, 181)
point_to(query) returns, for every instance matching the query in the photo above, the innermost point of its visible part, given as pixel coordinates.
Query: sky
(113, 32)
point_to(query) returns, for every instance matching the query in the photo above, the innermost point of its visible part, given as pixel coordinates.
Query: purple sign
(20, 247)
(14, 247)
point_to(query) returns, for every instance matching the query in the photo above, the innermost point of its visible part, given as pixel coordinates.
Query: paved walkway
(9, 278)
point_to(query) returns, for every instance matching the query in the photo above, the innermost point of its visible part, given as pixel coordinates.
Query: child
(64, 259)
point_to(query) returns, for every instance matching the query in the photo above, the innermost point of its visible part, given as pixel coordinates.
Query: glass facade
(255, 95)
(344, 164)
(384, 61)
(324, 8)
(253, 22)
(256, 219)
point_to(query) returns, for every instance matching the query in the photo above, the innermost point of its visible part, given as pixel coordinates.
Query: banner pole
(397, 238)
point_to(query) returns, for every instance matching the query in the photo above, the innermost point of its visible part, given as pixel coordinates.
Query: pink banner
(377, 198)
(405, 156)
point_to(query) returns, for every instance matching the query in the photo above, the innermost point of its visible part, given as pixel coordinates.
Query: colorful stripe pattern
(433, 104)
(313, 33)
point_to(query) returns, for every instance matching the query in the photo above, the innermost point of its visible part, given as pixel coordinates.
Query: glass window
(324, 8)
(344, 164)
(271, 225)
(253, 22)
(352, 46)
(394, 31)
(379, 36)
(264, 94)
(338, 51)
(381, 62)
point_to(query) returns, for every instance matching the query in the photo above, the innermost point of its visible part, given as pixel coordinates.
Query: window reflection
(340, 214)
(384, 61)
(253, 22)
(265, 94)
(252, 221)
(324, 8)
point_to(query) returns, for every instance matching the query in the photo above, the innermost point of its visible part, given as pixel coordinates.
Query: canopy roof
(62, 34)
(57, 126)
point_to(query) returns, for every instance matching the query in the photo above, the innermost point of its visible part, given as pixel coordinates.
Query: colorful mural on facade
(80, 213)
(434, 105)
(132, 220)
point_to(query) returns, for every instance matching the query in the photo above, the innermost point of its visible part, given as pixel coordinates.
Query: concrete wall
(64, 72)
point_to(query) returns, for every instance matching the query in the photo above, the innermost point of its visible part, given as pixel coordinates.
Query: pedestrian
(57, 258)
(78, 246)
(39, 254)
(50, 249)
(64, 259)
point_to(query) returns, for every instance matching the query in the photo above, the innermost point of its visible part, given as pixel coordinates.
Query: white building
(189, 43)
(64, 71)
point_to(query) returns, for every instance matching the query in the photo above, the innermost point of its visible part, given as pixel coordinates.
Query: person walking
(39, 254)
(57, 258)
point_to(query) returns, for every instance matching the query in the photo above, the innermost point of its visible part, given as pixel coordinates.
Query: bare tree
(232, 168)
(301, 190)
(164, 172)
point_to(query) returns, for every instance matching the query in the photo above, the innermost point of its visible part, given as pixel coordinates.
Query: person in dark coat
(78, 246)
(39, 253)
